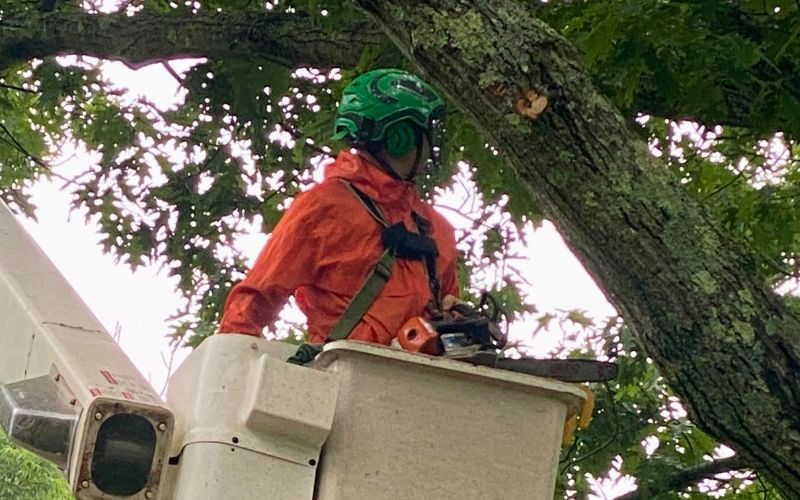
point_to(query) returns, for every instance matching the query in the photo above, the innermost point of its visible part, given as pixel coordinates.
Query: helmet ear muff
(400, 138)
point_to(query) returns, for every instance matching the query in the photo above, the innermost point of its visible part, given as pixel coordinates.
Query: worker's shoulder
(330, 194)
(438, 220)
(329, 198)
(428, 210)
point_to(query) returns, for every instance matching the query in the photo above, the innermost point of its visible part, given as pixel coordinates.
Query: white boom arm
(68, 391)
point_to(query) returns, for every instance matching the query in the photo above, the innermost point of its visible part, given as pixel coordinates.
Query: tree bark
(288, 39)
(726, 344)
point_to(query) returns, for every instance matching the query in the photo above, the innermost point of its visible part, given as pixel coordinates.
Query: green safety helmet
(390, 109)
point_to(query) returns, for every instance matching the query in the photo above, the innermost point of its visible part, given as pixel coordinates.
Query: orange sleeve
(285, 263)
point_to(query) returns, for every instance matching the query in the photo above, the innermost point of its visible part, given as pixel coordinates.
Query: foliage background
(23, 476)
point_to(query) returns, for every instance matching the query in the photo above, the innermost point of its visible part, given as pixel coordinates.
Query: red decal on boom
(108, 376)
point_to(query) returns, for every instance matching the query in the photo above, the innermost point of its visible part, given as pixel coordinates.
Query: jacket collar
(371, 179)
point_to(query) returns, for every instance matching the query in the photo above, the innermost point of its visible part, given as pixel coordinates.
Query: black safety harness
(398, 242)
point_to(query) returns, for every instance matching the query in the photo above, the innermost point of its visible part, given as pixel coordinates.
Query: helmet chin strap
(418, 155)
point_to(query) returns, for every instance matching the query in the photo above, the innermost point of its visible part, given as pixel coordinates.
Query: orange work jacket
(325, 246)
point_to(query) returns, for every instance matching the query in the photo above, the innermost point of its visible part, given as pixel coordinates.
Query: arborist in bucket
(361, 252)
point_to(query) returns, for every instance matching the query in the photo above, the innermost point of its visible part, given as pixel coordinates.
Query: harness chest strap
(374, 283)
(369, 291)
(380, 274)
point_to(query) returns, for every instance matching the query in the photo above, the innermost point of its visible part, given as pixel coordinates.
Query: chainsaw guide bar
(565, 370)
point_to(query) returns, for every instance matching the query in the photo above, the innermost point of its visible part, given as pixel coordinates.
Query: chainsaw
(473, 335)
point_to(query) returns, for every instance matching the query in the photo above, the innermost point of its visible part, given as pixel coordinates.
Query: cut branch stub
(530, 104)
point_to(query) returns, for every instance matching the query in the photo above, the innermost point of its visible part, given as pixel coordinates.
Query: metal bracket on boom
(34, 415)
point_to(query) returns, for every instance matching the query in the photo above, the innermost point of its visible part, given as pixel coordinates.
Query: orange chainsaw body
(418, 335)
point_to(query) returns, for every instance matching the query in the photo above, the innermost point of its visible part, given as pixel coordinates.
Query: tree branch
(287, 39)
(16, 144)
(689, 477)
(18, 89)
(290, 40)
(174, 74)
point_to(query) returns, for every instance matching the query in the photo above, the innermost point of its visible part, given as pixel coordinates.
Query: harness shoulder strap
(423, 226)
(368, 203)
(374, 283)
(381, 273)
(364, 298)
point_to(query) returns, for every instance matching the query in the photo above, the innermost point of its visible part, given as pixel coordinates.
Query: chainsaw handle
(465, 325)
(479, 329)
(490, 308)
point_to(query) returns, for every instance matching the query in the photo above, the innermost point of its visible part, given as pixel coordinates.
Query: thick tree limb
(689, 477)
(288, 39)
(727, 345)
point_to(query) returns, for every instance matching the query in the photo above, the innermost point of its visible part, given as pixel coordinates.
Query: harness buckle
(382, 270)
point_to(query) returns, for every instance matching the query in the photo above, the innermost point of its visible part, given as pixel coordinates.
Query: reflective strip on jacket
(324, 247)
